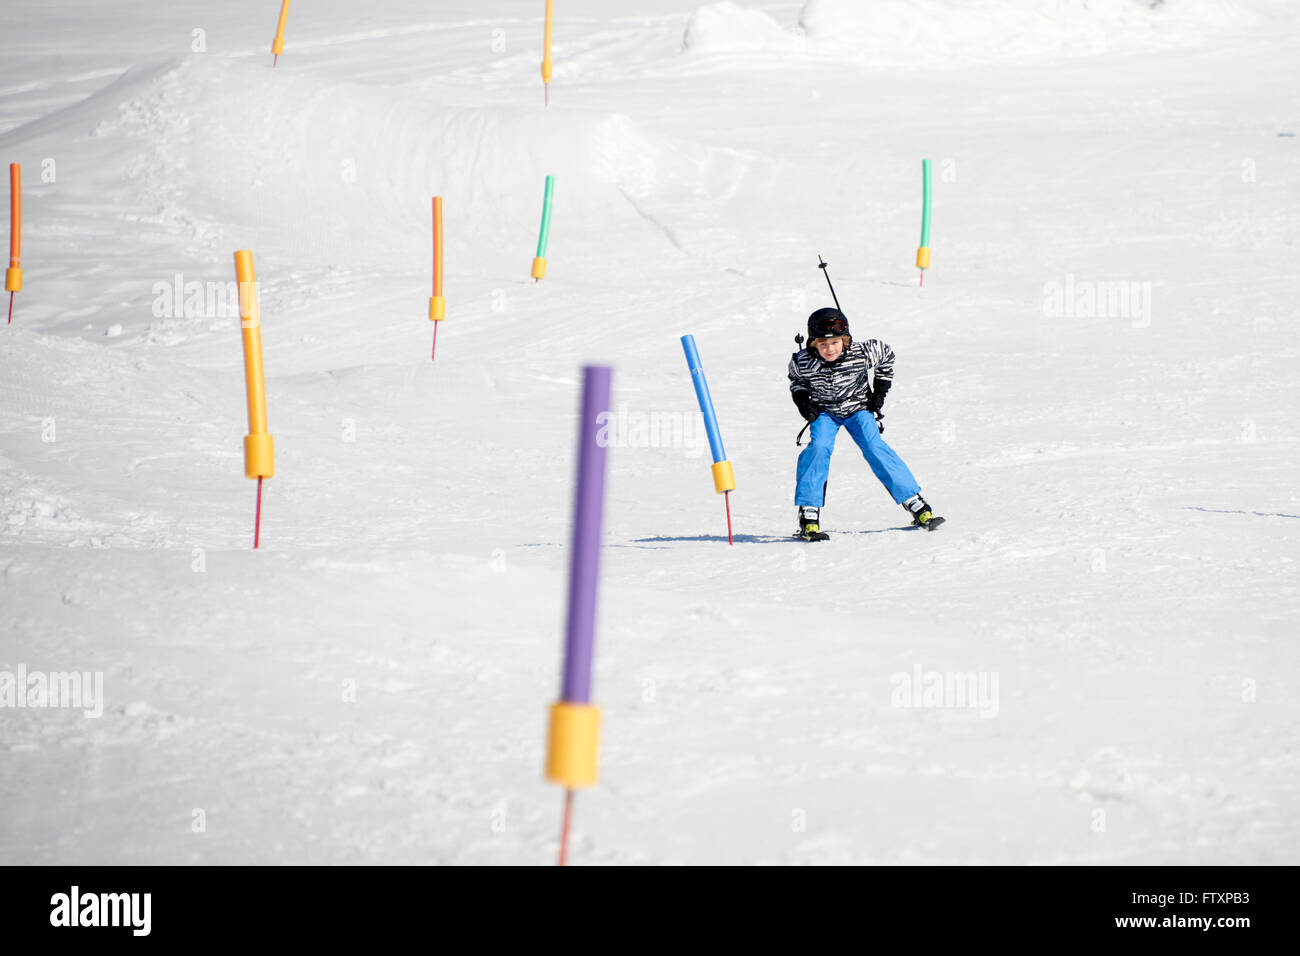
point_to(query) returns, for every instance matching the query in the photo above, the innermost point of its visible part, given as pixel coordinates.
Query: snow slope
(372, 684)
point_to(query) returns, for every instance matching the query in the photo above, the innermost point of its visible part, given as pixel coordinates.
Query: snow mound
(728, 27)
(225, 156)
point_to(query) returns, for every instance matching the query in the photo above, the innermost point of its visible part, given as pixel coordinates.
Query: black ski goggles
(829, 328)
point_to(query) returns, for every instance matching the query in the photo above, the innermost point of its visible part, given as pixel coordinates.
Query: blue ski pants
(815, 460)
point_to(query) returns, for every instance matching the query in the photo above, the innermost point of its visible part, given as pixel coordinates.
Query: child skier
(831, 387)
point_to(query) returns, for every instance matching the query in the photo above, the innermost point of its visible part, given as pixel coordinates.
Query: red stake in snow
(564, 829)
(257, 522)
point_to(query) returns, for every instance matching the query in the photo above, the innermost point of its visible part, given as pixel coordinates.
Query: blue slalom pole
(724, 479)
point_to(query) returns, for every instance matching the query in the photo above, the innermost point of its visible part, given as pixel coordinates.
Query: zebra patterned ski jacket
(844, 386)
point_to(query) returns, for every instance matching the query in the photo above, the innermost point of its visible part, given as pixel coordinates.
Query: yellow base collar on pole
(539, 267)
(923, 257)
(723, 477)
(573, 743)
(14, 280)
(259, 456)
(437, 308)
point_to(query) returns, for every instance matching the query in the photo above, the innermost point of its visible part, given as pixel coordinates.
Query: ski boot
(921, 514)
(809, 526)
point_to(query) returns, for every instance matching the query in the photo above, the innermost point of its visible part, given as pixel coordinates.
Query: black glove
(803, 401)
(880, 420)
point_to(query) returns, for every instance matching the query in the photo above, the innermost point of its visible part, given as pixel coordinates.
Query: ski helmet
(828, 323)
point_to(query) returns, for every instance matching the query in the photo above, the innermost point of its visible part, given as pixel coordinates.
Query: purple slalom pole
(574, 736)
(584, 566)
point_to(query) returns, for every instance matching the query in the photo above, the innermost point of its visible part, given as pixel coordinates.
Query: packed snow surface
(1093, 661)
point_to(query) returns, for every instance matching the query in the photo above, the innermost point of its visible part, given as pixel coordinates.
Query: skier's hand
(880, 421)
(803, 401)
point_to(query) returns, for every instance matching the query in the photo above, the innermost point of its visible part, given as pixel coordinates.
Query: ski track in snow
(371, 685)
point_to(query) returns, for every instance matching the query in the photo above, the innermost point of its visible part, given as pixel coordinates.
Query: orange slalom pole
(437, 303)
(546, 52)
(14, 274)
(259, 449)
(277, 45)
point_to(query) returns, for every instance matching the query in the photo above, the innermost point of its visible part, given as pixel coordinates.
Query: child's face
(830, 349)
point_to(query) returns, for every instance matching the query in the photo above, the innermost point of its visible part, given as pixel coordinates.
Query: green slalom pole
(539, 263)
(923, 252)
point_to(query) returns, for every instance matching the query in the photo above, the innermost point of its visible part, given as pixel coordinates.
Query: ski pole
(821, 264)
(798, 340)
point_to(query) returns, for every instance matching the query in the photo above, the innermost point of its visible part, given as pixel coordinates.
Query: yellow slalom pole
(277, 45)
(546, 51)
(259, 449)
(437, 303)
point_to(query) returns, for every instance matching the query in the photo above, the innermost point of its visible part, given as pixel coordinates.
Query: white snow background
(372, 685)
